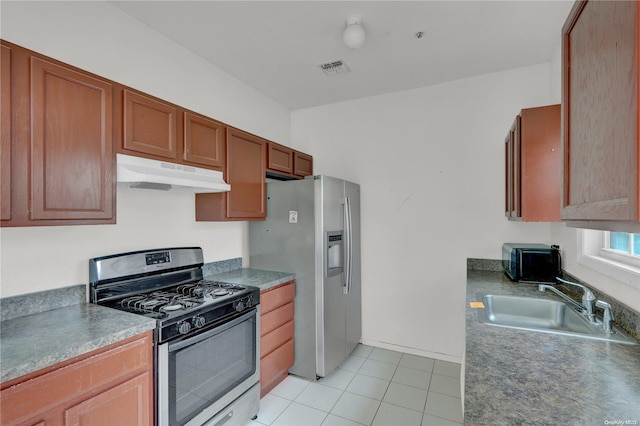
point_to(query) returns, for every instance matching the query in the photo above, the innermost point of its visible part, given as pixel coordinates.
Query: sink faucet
(607, 316)
(588, 299)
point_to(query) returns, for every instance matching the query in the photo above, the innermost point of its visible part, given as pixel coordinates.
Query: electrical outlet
(293, 216)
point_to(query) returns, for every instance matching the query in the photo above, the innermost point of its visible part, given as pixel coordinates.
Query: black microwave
(535, 263)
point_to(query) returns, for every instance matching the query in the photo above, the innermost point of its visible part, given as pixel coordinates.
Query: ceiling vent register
(335, 67)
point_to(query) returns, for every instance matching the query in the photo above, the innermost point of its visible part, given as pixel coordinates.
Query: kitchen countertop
(515, 377)
(42, 339)
(253, 277)
(32, 342)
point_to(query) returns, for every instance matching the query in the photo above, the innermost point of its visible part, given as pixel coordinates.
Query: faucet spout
(543, 287)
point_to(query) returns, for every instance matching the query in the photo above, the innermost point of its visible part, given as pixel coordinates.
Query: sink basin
(543, 315)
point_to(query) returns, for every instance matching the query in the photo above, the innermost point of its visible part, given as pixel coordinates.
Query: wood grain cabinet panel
(276, 331)
(72, 145)
(279, 158)
(204, 141)
(276, 338)
(126, 403)
(5, 133)
(274, 367)
(113, 385)
(276, 297)
(150, 126)
(276, 318)
(58, 163)
(303, 164)
(245, 171)
(533, 166)
(601, 50)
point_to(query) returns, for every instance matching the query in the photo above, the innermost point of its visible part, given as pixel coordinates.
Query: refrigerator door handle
(348, 246)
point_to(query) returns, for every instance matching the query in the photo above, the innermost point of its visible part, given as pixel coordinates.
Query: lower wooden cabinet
(276, 335)
(110, 386)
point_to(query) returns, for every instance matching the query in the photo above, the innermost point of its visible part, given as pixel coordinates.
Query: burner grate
(159, 301)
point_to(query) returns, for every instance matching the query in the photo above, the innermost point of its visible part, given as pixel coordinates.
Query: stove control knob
(239, 305)
(184, 327)
(198, 322)
(249, 301)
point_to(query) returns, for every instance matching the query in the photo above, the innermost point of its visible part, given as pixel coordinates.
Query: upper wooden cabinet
(150, 126)
(279, 158)
(204, 141)
(303, 164)
(284, 162)
(246, 157)
(532, 165)
(601, 115)
(5, 133)
(61, 150)
(160, 130)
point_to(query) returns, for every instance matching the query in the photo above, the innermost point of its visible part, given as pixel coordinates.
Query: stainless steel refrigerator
(313, 229)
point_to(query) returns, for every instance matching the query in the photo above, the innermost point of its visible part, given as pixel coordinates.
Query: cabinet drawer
(270, 341)
(274, 367)
(273, 298)
(276, 318)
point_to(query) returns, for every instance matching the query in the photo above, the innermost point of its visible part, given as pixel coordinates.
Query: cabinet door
(246, 158)
(512, 171)
(72, 161)
(303, 164)
(540, 164)
(203, 141)
(150, 126)
(600, 110)
(5, 132)
(124, 404)
(279, 158)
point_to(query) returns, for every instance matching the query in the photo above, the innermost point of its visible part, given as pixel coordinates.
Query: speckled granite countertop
(41, 329)
(253, 277)
(30, 343)
(519, 377)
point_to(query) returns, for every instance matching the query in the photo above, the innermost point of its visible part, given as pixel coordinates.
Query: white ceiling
(276, 46)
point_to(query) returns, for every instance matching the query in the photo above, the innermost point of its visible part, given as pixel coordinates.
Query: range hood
(144, 173)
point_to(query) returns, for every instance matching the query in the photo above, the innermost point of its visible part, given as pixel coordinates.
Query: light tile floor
(373, 386)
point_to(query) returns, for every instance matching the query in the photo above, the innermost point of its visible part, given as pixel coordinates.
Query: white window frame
(593, 254)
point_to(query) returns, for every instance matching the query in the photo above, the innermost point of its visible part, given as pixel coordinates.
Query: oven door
(202, 374)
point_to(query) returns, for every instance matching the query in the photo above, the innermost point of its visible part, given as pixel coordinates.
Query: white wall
(430, 165)
(99, 38)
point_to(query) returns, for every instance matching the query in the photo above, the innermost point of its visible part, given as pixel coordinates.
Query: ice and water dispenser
(335, 256)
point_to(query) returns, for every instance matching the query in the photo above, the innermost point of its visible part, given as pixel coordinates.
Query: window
(622, 247)
(615, 254)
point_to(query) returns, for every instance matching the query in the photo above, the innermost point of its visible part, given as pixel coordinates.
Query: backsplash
(221, 266)
(33, 303)
(625, 317)
(41, 301)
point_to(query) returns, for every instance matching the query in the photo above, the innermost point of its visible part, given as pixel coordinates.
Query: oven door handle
(215, 330)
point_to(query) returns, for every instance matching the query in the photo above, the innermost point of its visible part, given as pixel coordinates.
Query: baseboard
(412, 351)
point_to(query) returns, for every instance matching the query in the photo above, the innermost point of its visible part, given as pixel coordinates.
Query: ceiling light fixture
(354, 35)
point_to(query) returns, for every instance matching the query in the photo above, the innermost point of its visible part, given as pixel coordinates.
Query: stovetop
(179, 300)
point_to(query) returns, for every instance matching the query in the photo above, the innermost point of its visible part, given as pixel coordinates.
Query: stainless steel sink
(543, 315)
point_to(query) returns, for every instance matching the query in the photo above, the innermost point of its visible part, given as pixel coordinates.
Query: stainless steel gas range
(207, 364)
